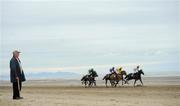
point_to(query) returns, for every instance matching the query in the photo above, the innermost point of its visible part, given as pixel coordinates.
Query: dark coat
(15, 71)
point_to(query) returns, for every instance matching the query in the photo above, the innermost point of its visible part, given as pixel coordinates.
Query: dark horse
(114, 79)
(136, 76)
(88, 79)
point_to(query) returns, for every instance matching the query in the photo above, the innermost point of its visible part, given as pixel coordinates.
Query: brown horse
(114, 78)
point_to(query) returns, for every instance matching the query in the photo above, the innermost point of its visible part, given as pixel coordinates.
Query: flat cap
(16, 51)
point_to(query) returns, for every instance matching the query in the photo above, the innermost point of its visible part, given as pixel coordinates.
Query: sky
(76, 35)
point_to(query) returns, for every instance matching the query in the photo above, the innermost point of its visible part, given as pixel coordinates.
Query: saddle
(114, 75)
(134, 75)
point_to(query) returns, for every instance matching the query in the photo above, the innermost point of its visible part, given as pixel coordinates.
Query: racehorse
(88, 79)
(136, 76)
(114, 78)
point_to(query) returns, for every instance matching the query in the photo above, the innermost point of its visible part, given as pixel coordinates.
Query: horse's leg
(126, 79)
(127, 82)
(111, 83)
(122, 80)
(106, 83)
(114, 83)
(94, 83)
(135, 82)
(89, 84)
(117, 82)
(141, 81)
(85, 83)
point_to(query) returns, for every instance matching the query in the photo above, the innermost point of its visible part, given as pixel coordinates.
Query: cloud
(80, 68)
(20, 14)
(92, 32)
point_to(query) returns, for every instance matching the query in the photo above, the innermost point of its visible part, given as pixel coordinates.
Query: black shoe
(15, 98)
(19, 97)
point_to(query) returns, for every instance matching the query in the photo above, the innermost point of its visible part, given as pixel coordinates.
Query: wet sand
(57, 93)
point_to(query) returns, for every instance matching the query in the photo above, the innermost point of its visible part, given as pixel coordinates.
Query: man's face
(17, 55)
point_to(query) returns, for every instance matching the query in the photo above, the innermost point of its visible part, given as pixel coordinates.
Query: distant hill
(48, 75)
(53, 75)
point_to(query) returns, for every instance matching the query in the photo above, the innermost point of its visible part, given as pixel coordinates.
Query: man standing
(16, 75)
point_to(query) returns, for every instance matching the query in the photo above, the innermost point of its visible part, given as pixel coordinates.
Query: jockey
(136, 70)
(113, 71)
(92, 73)
(119, 70)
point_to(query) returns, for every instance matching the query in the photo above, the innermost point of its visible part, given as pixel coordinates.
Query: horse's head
(106, 76)
(141, 72)
(83, 78)
(124, 73)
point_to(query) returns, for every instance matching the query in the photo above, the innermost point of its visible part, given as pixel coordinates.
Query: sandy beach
(57, 93)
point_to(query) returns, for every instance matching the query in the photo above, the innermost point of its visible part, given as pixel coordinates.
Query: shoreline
(148, 81)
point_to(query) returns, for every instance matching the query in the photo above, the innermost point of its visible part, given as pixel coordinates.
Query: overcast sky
(75, 35)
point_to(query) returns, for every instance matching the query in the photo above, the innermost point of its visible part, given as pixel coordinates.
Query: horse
(136, 76)
(114, 78)
(88, 79)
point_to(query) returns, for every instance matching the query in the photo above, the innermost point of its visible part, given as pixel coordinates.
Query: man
(136, 70)
(112, 71)
(16, 75)
(93, 73)
(119, 70)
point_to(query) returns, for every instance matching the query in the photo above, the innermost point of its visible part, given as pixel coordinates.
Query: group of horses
(114, 79)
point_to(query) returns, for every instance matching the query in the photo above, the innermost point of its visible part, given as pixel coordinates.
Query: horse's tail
(105, 77)
(126, 76)
(82, 82)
